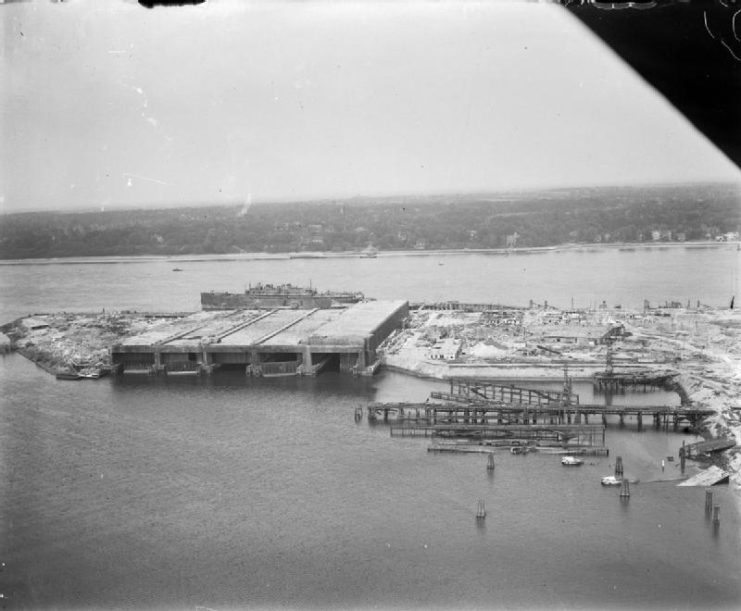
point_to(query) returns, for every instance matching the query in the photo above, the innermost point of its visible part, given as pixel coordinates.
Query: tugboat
(611, 480)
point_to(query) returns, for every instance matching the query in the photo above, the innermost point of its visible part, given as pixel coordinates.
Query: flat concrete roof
(220, 322)
(360, 320)
(277, 328)
(195, 326)
(298, 333)
(273, 323)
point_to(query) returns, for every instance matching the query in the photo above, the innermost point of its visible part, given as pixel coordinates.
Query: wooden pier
(483, 412)
(465, 447)
(467, 389)
(555, 435)
(483, 402)
(695, 450)
(610, 381)
(490, 413)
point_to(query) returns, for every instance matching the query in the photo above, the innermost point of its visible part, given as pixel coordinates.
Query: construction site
(488, 353)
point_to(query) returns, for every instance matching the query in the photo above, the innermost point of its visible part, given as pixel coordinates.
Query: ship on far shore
(263, 296)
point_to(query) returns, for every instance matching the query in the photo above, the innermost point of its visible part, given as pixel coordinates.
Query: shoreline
(319, 255)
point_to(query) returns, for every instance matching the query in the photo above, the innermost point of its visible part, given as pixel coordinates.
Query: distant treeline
(521, 219)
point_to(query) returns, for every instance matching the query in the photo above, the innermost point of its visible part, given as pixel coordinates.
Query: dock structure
(552, 435)
(273, 342)
(613, 381)
(695, 450)
(466, 389)
(486, 413)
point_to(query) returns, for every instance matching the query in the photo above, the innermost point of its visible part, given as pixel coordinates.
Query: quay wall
(520, 371)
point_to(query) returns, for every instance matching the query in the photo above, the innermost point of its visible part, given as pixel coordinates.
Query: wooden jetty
(477, 389)
(694, 450)
(548, 435)
(616, 381)
(494, 412)
(460, 447)
(484, 402)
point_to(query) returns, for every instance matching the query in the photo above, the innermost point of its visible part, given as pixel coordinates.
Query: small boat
(67, 375)
(518, 450)
(611, 480)
(176, 269)
(571, 461)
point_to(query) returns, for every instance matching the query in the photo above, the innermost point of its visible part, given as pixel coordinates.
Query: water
(231, 492)
(583, 277)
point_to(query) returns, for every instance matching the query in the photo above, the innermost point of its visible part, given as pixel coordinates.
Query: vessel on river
(277, 296)
(571, 461)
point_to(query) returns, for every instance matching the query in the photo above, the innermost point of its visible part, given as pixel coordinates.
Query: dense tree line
(522, 219)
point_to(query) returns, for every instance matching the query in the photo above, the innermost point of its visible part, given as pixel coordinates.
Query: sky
(105, 104)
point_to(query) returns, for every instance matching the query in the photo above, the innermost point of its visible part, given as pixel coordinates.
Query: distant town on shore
(517, 219)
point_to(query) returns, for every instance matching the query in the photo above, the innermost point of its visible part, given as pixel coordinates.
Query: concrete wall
(395, 321)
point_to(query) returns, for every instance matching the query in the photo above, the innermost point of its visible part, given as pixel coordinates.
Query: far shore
(247, 256)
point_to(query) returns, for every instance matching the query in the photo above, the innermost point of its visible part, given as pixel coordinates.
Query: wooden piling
(682, 457)
(619, 467)
(708, 502)
(481, 510)
(716, 516)
(625, 490)
(490, 462)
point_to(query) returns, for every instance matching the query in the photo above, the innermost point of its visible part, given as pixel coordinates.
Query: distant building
(448, 349)
(32, 324)
(582, 335)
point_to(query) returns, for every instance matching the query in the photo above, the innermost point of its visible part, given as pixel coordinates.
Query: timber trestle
(484, 413)
(464, 388)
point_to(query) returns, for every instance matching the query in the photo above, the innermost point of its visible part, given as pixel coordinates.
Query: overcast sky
(106, 104)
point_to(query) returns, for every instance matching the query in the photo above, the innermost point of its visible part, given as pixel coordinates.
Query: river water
(231, 492)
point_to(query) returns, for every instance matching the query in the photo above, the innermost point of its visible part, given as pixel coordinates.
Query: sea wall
(520, 371)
